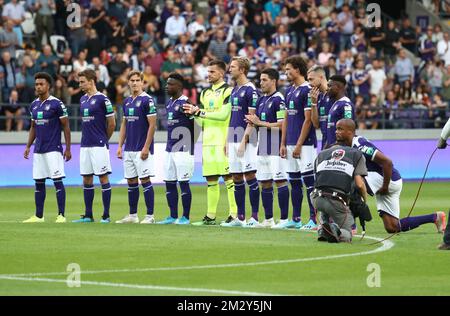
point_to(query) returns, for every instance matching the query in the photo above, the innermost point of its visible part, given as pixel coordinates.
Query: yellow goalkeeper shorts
(215, 162)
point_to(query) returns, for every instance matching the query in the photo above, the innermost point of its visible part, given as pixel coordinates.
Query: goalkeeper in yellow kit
(214, 159)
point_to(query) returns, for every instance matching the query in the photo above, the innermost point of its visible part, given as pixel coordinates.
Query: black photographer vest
(335, 168)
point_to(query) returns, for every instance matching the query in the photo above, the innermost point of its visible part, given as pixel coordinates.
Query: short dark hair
(89, 74)
(298, 63)
(176, 76)
(339, 78)
(219, 63)
(273, 74)
(44, 75)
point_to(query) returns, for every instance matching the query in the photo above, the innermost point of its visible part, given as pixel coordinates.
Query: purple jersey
(271, 109)
(296, 104)
(427, 44)
(180, 128)
(46, 116)
(342, 108)
(242, 99)
(324, 104)
(136, 112)
(94, 111)
(370, 150)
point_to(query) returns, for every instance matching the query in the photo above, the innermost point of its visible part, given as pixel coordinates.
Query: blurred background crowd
(398, 74)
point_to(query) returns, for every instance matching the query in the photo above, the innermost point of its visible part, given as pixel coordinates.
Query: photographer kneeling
(336, 169)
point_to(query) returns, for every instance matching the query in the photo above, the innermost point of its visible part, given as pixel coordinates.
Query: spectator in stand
(149, 38)
(92, 45)
(438, 109)
(391, 42)
(175, 26)
(360, 112)
(65, 64)
(77, 33)
(103, 71)
(376, 37)
(427, 48)
(154, 60)
(324, 55)
(171, 64)
(197, 25)
(60, 90)
(8, 39)
(134, 10)
(373, 114)
(333, 30)
(330, 68)
(404, 68)
(281, 39)
(133, 33)
(73, 87)
(8, 75)
(80, 63)
(15, 12)
(98, 19)
(346, 26)
(420, 98)
(377, 79)
(435, 75)
(121, 86)
(272, 9)
(358, 41)
(437, 34)
(29, 69)
(183, 47)
(201, 74)
(446, 85)
(408, 36)
(43, 20)
(13, 112)
(117, 35)
(443, 49)
(257, 29)
(361, 80)
(188, 14)
(297, 24)
(149, 14)
(217, 48)
(390, 107)
(151, 81)
(406, 94)
(116, 67)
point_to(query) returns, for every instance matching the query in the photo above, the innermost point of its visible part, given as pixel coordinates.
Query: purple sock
(133, 197)
(172, 198)
(88, 191)
(186, 197)
(60, 196)
(296, 195)
(149, 197)
(283, 201)
(308, 179)
(39, 197)
(409, 223)
(254, 196)
(267, 201)
(239, 195)
(106, 198)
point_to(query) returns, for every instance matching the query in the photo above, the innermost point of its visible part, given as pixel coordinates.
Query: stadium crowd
(158, 37)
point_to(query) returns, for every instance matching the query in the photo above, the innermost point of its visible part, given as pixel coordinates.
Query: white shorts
(305, 163)
(135, 167)
(389, 203)
(243, 164)
(271, 168)
(178, 166)
(49, 165)
(94, 161)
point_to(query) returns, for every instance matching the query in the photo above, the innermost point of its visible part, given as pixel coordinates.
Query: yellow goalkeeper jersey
(213, 99)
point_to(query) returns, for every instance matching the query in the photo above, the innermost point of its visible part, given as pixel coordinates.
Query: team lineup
(250, 137)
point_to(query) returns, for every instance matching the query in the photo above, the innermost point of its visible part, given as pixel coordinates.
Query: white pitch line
(385, 245)
(142, 287)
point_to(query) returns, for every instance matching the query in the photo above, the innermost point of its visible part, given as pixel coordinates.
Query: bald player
(385, 182)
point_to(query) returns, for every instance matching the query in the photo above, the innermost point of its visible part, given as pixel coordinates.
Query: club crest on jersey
(138, 103)
(217, 93)
(92, 102)
(242, 94)
(47, 107)
(338, 154)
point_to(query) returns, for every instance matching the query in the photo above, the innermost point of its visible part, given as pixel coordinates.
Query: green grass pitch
(172, 260)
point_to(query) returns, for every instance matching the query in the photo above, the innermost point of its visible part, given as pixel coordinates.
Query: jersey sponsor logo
(40, 115)
(367, 150)
(109, 107)
(235, 101)
(322, 110)
(170, 116)
(131, 111)
(85, 112)
(263, 116)
(338, 154)
(291, 104)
